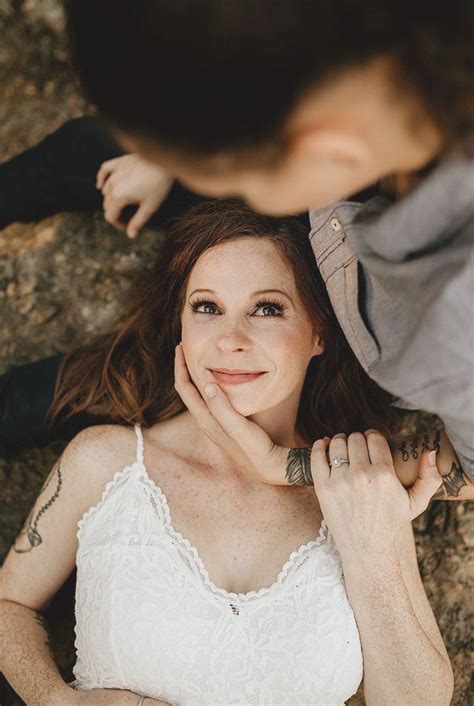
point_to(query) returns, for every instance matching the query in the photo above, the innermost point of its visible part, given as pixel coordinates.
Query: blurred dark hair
(209, 76)
(127, 374)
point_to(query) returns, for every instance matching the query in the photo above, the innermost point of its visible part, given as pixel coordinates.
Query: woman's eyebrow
(196, 291)
(260, 292)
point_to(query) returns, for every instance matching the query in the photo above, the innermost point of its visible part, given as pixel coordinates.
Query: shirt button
(336, 225)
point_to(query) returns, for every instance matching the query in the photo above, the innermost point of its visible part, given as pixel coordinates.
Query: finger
(426, 485)
(320, 469)
(358, 451)
(112, 211)
(105, 169)
(191, 396)
(378, 448)
(107, 187)
(338, 449)
(139, 219)
(338, 446)
(240, 429)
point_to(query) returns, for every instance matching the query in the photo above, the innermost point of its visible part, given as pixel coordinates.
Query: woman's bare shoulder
(103, 440)
(98, 452)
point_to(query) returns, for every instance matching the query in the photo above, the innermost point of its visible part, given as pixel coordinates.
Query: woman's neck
(281, 428)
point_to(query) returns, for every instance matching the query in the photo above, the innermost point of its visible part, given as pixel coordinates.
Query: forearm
(401, 664)
(407, 453)
(25, 656)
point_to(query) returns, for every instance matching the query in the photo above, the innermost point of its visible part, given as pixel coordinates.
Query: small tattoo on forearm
(414, 450)
(414, 447)
(425, 444)
(298, 467)
(403, 450)
(453, 481)
(30, 530)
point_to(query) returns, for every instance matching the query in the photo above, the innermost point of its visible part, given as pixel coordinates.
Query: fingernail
(210, 390)
(371, 431)
(432, 458)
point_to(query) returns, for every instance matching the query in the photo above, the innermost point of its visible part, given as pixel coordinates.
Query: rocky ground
(61, 280)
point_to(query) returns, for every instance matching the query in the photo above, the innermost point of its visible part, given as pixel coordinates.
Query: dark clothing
(26, 393)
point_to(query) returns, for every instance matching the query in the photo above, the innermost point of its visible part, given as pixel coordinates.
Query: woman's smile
(227, 376)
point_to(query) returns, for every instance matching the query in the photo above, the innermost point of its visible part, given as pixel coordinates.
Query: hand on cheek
(243, 440)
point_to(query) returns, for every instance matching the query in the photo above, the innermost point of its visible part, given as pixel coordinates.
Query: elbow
(439, 691)
(435, 689)
(448, 682)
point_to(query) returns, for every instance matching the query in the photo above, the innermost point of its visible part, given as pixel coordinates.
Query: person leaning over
(296, 105)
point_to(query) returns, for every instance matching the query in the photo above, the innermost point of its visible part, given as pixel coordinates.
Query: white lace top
(149, 619)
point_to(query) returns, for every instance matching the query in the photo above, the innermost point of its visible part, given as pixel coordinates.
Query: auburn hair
(126, 375)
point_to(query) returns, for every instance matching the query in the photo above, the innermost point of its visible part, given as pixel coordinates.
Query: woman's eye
(205, 308)
(268, 310)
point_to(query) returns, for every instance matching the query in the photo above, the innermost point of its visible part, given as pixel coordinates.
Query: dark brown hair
(209, 77)
(127, 376)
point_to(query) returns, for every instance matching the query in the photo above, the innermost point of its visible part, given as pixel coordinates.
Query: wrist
(370, 565)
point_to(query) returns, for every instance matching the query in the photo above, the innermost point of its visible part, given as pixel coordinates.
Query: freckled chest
(243, 534)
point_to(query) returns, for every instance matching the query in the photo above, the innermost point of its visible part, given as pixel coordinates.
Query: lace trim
(108, 488)
(295, 559)
(291, 563)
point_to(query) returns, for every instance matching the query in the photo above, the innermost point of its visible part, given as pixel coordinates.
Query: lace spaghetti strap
(140, 447)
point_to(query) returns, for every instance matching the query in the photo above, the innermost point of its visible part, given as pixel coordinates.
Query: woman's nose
(233, 337)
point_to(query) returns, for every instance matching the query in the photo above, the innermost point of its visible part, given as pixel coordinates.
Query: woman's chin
(245, 404)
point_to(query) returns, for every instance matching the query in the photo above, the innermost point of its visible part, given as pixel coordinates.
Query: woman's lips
(235, 377)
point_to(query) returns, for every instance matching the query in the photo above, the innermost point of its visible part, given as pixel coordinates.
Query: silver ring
(338, 462)
(142, 701)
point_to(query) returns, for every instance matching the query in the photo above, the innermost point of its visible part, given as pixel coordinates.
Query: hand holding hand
(363, 502)
(132, 181)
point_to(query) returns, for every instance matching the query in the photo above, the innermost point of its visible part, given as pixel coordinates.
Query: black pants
(56, 175)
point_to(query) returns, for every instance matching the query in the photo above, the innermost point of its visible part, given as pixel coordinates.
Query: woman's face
(244, 327)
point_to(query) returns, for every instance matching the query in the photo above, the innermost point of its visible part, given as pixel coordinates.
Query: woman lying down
(199, 582)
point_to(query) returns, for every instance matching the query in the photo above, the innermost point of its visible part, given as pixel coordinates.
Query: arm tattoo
(298, 467)
(425, 444)
(414, 451)
(414, 447)
(452, 483)
(403, 450)
(30, 530)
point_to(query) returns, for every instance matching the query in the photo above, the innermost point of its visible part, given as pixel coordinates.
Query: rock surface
(63, 279)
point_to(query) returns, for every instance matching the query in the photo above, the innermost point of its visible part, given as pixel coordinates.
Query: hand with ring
(362, 500)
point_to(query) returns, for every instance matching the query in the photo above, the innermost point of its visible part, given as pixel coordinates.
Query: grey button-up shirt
(401, 280)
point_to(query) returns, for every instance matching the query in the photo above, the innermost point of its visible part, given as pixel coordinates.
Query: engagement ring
(338, 462)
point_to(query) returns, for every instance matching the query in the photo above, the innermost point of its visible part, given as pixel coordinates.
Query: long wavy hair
(126, 375)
